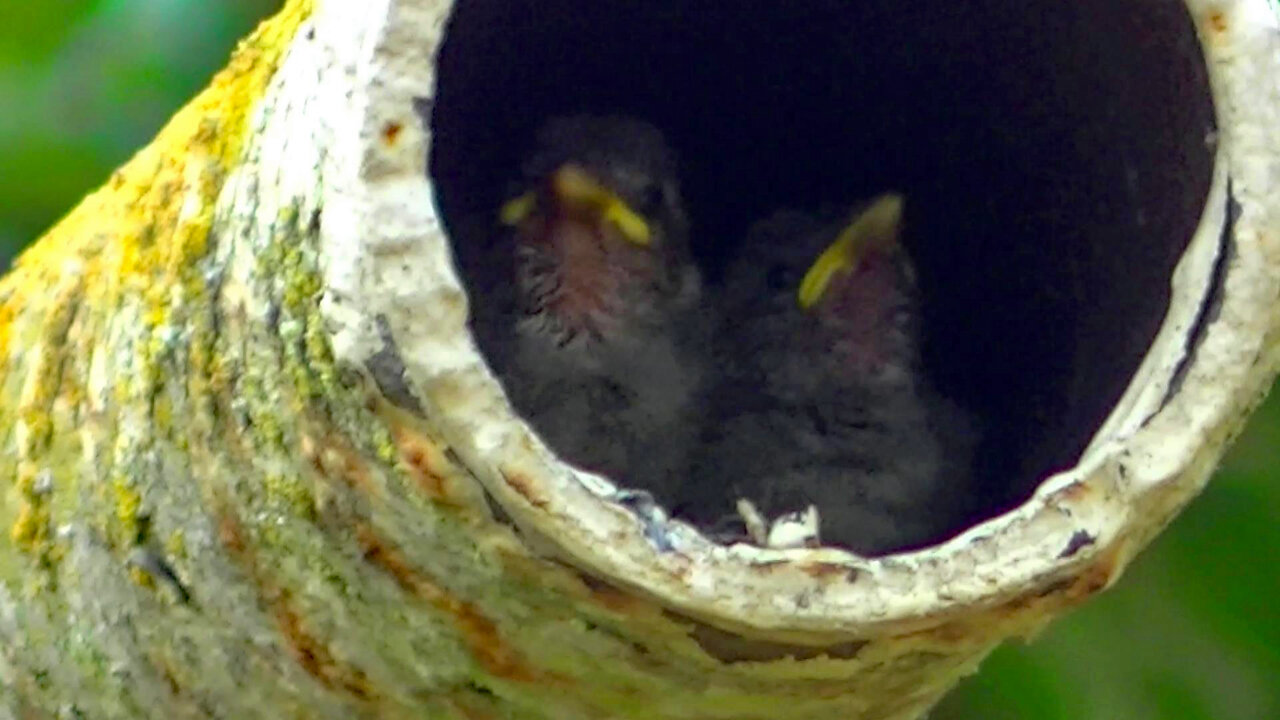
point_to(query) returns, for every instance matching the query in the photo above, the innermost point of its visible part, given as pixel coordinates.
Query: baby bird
(824, 402)
(592, 317)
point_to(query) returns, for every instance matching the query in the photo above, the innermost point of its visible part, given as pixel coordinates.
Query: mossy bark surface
(251, 466)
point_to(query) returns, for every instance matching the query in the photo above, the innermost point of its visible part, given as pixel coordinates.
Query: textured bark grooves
(253, 467)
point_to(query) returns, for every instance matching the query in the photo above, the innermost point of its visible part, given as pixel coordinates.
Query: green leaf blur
(84, 84)
(1191, 631)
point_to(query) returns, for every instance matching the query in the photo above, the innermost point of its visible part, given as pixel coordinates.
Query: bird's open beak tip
(876, 226)
(572, 185)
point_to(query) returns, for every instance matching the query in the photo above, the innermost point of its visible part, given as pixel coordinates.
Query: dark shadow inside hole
(1054, 156)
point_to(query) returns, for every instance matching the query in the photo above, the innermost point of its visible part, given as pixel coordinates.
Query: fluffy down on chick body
(590, 306)
(823, 400)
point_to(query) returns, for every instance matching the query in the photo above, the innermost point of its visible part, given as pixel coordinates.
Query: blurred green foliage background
(84, 83)
(1192, 632)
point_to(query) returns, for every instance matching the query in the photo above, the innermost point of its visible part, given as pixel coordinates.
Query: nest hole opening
(1055, 158)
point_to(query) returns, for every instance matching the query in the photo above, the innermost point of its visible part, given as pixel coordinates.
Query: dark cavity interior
(1055, 157)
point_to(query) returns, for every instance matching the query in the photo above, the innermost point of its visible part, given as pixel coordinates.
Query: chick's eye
(651, 197)
(781, 277)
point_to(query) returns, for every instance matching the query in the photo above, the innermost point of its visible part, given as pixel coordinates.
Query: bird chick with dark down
(823, 401)
(593, 317)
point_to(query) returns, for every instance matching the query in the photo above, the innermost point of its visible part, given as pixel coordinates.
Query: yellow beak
(574, 186)
(874, 227)
(514, 211)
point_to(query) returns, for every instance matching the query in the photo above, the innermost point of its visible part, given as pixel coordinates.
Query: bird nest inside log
(1055, 164)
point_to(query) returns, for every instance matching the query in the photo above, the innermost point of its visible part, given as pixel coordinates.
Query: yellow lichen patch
(45, 365)
(320, 356)
(155, 211)
(176, 545)
(142, 578)
(34, 425)
(128, 504)
(130, 249)
(32, 527)
(7, 309)
(288, 494)
(302, 282)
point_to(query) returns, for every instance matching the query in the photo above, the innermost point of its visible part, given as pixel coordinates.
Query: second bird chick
(824, 401)
(594, 317)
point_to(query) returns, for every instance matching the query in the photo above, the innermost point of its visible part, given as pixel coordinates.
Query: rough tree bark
(253, 466)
